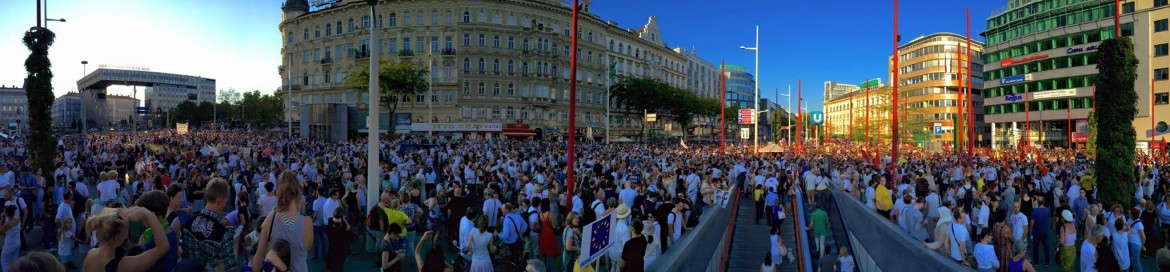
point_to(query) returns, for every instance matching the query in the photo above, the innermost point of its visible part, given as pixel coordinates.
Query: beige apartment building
(491, 62)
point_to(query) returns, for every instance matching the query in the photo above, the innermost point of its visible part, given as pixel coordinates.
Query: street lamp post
(756, 107)
(372, 143)
(81, 97)
(788, 119)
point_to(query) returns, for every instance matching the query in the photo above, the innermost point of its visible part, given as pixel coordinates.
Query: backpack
(527, 230)
(376, 219)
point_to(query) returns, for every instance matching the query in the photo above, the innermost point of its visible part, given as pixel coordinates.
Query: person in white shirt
(107, 188)
(267, 200)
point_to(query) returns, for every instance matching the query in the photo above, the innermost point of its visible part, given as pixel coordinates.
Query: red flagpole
(894, 127)
(722, 108)
(571, 174)
(960, 130)
(867, 141)
(1068, 120)
(1116, 18)
(800, 115)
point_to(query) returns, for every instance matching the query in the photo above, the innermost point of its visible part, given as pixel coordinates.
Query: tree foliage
(249, 109)
(39, 90)
(1117, 71)
(636, 95)
(395, 80)
(1091, 136)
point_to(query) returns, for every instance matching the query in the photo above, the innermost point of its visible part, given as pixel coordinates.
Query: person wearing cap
(620, 234)
(1067, 239)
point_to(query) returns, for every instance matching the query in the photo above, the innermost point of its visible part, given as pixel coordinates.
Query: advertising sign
(1013, 97)
(181, 128)
(747, 116)
(1015, 79)
(402, 119)
(1054, 93)
(870, 83)
(1010, 61)
(745, 133)
(457, 127)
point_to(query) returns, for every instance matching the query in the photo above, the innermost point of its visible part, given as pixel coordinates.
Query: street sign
(938, 129)
(816, 117)
(747, 116)
(141, 110)
(745, 133)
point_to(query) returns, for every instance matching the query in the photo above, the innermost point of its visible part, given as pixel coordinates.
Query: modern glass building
(1041, 67)
(740, 87)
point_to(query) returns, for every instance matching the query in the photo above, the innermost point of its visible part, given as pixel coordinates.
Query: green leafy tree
(1117, 71)
(39, 86)
(261, 110)
(395, 80)
(635, 96)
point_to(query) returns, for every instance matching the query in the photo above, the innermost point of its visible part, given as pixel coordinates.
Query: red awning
(519, 134)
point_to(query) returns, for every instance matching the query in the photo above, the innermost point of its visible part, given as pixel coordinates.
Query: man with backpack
(513, 229)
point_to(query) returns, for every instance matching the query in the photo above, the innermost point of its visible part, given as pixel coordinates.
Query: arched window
(447, 17)
(328, 30)
(306, 34)
(338, 27)
(393, 19)
(524, 67)
(482, 17)
(466, 17)
(349, 25)
(288, 37)
(611, 45)
(481, 64)
(466, 64)
(317, 32)
(406, 18)
(366, 21)
(496, 66)
(511, 67)
(590, 36)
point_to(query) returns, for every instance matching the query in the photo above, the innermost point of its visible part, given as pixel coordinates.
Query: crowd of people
(257, 201)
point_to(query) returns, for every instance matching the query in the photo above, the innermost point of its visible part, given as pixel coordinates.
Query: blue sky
(237, 42)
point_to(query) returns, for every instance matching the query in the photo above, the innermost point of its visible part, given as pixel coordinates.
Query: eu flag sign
(596, 236)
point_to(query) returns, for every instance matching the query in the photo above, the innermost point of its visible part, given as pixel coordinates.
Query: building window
(481, 64)
(306, 35)
(496, 89)
(392, 45)
(378, 21)
(434, 17)
(466, 64)
(466, 88)
(328, 30)
(447, 17)
(434, 43)
(496, 66)
(447, 42)
(420, 18)
(419, 44)
(511, 67)
(1160, 50)
(466, 17)
(1159, 3)
(524, 44)
(1160, 25)
(349, 25)
(511, 89)
(317, 32)
(481, 88)
(1161, 98)
(1161, 74)
(1127, 8)
(511, 42)
(524, 67)
(406, 18)
(466, 39)
(482, 40)
(496, 41)
(590, 36)
(288, 37)
(393, 19)
(366, 21)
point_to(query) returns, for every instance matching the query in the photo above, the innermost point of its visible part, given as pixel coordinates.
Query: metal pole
(430, 96)
(895, 141)
(959, 144)
(373, 172)
(39, 14)
(571, 173)
(133, 97)
(288, 92)
(1068, 121)
(1027, 118)
(970, 95)
(1116, 18)
(608, 82)
(214, 111)
(789, 114)
(755, 115)
(722, 107)
(81, 97)
(799, 116)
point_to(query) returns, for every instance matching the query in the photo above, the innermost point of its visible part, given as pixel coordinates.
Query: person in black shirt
(634, 251)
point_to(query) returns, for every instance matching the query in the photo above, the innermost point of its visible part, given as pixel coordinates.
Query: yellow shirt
(1087, 182)
(396, 217)
(758, 193)
(882, 195)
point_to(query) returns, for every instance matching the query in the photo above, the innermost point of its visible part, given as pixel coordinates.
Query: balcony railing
(327, 60)
(361, 54)
(406, 53)
(448, 51)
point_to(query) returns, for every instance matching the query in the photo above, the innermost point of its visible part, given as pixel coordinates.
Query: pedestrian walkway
(751, 239)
